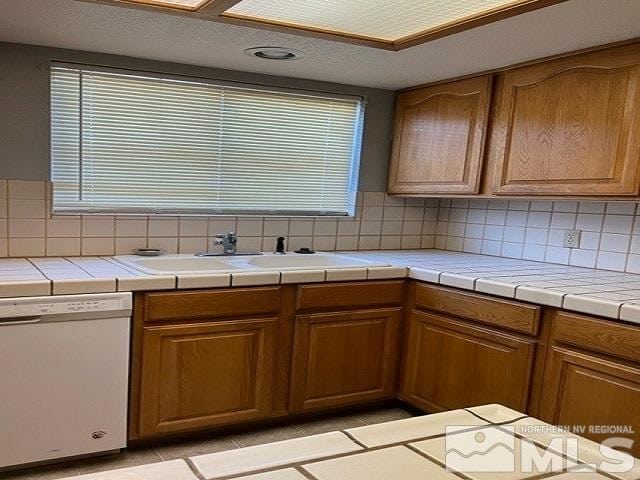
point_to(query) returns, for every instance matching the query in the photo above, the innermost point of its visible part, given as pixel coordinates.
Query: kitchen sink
(190, 265)
(173, 264)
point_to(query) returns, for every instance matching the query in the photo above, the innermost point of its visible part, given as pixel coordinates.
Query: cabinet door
(584, 390)
(344, 358)
(592, 375)
(451, 364)
(206, 374)
(439, 138)
(569, 126)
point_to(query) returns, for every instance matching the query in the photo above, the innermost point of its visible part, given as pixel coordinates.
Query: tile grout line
(194, 469)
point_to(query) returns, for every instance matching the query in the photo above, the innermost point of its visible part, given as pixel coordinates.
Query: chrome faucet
(228, 241)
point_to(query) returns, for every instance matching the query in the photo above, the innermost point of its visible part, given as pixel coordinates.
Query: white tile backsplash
(28, 229)
(534, 230)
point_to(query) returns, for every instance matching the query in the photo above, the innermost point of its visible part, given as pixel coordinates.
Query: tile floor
(215, 443)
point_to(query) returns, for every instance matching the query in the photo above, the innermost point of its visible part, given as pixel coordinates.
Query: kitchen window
(127, 142)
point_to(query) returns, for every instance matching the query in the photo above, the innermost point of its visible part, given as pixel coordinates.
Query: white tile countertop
(488, 442)
(598, 292)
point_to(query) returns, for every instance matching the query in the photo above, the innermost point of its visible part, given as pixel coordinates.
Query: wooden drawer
(603, 336)
(514, 316)
(234, 302)
(331, 296)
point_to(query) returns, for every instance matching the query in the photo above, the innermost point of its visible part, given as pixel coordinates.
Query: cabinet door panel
(439, 138)
(344, 358)
(568, 127)
(206, 374)
(451, 364)
(581, 389)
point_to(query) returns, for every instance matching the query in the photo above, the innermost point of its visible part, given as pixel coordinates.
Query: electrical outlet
(572, 239)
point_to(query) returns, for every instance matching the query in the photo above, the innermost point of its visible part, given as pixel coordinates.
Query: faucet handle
(280, 246)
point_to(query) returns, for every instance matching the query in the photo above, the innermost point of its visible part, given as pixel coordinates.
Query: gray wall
(24, 107)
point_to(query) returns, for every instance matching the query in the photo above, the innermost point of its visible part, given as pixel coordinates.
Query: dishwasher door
(63, 377)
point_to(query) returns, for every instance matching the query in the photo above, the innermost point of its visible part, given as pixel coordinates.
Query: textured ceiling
(150, 34)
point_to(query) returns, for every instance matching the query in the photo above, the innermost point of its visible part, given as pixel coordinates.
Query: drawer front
(333, 296)
(234, 302)
(597, 335)
(514, 316)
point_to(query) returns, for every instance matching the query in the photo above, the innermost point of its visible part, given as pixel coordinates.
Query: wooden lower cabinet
(592, 376)
(344, 358)
(208, 358)
(206, 374)
(452, 364)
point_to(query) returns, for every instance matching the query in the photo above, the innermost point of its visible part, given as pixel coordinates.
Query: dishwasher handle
(19, 320)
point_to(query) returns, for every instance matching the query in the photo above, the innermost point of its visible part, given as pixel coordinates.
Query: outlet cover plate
(572, 238)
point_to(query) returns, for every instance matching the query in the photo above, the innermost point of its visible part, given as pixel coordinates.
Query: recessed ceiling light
(275, 53)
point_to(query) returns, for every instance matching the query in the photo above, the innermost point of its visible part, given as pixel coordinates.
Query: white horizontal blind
(132, 143)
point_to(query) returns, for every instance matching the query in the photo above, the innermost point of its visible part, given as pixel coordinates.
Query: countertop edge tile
(541, 296)
(133, 284)
(630, 312)
(346, 274)
(495, 287)
(302, 276)
(424, 274)
(27, 288)
(85, 285)
(255, 278)
(456, 280)
(381, 273)
(219, 280)
(592, 305)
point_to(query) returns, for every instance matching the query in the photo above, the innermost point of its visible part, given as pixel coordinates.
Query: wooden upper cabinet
(569, 126)
(439, 138)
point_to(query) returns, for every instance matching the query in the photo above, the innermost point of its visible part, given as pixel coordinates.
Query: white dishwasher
(64, 368)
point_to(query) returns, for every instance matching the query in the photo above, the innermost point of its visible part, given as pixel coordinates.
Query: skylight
(384, 20)
(387, 24)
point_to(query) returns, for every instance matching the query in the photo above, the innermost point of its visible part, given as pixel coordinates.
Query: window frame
(354, 166)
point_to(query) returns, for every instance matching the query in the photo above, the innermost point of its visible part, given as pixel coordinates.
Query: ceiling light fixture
(275, 53)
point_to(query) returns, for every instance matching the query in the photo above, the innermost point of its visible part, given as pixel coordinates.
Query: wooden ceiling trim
(285, 27)
(216, 10)
(473, 21)
(166, 4)
(217, 7)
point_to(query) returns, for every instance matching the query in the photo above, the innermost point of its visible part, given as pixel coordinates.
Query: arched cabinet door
(439, 138)
(569, 126)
